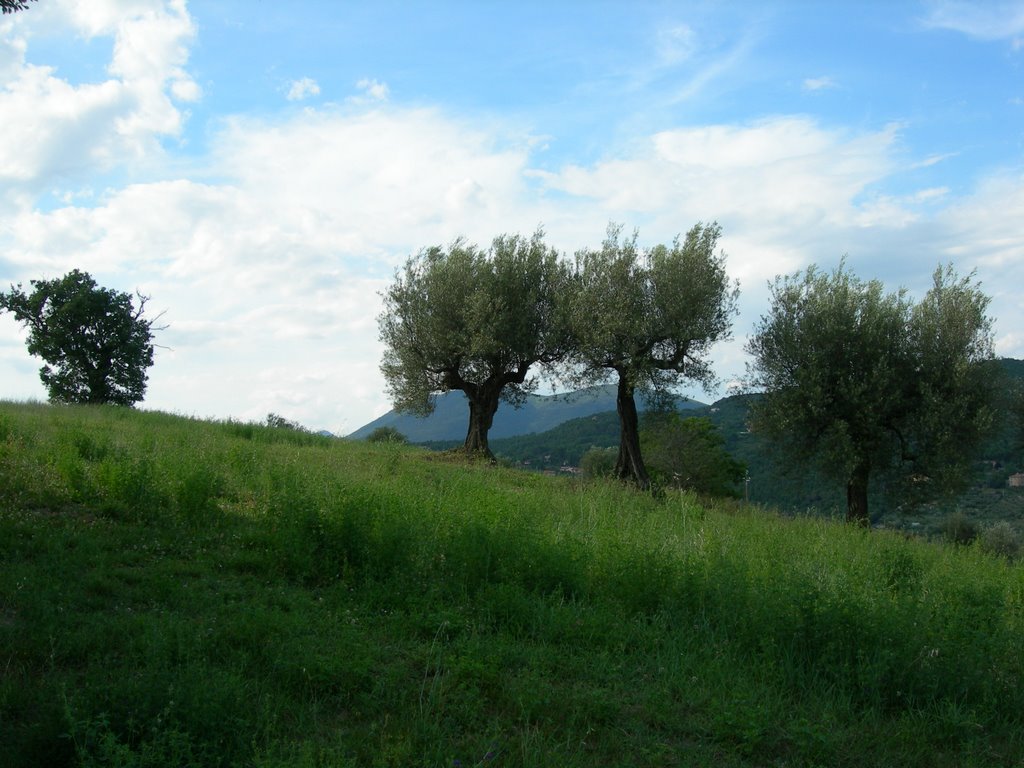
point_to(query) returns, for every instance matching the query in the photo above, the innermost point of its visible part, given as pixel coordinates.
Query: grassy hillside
(183, 593)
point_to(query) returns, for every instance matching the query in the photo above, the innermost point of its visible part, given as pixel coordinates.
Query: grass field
(184, 593)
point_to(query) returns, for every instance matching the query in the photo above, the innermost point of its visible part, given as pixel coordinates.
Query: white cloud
(270, 270)
(186, 89)
(374, 89)
(270, 278)
(375, 178)
(301, 89)
(819, 84)
(315, 212)
(934, 160)
(986, 21)
(675, 44)
(275, 272)
(783, 172)
(54, 129)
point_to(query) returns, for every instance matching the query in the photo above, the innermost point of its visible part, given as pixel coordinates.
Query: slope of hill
(539, 413)
(177, 592)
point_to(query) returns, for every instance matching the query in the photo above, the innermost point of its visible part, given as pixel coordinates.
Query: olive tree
(648, 319)
(463, 318)
(862, 381)
(96, 343)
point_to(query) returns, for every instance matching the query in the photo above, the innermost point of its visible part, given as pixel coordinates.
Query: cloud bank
(268, 252)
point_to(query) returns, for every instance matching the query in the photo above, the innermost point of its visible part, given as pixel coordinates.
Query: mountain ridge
(539, 413)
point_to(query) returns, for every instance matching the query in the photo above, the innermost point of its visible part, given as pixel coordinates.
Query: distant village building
(1016, 481)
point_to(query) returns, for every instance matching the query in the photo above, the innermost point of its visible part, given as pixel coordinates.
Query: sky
(260, 169)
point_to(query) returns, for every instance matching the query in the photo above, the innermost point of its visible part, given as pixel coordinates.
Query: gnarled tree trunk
(481, 415)
(630, 464)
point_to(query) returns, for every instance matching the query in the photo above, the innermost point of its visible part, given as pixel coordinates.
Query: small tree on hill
(649, 319)
(861, 382)
(96, 344)
(690, 453)
(477, 321)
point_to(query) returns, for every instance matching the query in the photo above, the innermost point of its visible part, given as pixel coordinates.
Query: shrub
(1001, 539)
(277, 421)
(386, 435)
(957, 528)
(689, 453)
(599, 462)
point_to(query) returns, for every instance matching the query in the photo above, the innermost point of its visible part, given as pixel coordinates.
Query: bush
(386, 435)
(276, 421)
(599, 462)
(957, 528)
(1001, 539)
(689, 453)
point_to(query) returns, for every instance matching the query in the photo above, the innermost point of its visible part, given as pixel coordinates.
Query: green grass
(177, 592)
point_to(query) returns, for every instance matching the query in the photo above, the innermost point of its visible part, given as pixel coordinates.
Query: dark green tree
(649, 319)
(96, 344)
(690, 453)
(477, 321)
(863, 382)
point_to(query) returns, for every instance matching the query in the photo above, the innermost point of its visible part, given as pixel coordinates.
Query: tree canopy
(474, 320)
(96, 344)
(862, 382)
(649, 318)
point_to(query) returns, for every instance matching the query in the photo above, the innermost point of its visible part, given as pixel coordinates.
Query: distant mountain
(540, 413)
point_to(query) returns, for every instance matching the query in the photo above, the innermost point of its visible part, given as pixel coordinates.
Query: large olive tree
(861, 381)
(96, 344)
(648, 319)
(474, 320)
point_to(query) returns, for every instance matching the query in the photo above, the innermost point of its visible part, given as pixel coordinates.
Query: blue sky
(261, 168)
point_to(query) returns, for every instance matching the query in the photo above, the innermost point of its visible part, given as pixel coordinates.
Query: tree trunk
(481, 415)
(857, 496)
(630, 464)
